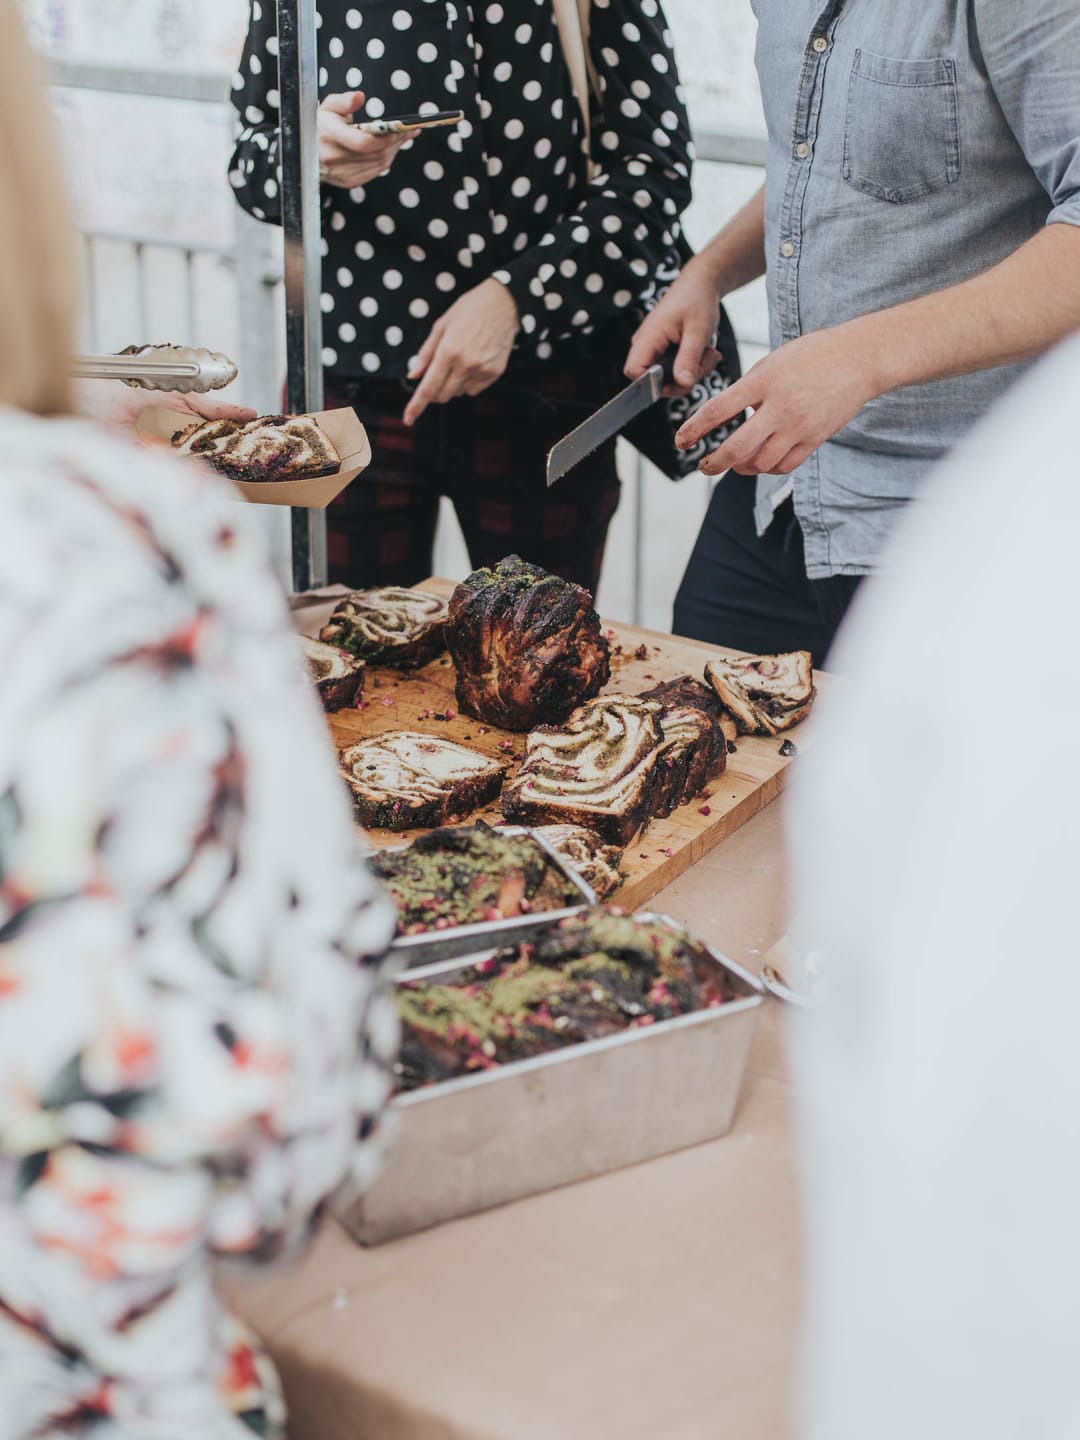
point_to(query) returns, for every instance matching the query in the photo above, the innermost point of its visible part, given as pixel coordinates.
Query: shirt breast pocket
(902, 127)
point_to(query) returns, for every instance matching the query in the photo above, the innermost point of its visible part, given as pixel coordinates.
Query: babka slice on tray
(598, 770)
(695, 748)
(588, 853)
(402, 629)
(339, 678)
(403, 780)
(527, 646)
(766, 694)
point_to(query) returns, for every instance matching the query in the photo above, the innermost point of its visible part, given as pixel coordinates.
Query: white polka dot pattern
(504, 194)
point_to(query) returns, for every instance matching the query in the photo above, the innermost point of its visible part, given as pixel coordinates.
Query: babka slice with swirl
(695, 748)
(586, 852)
(599, 769)
(767, 694)
(339, 678)
(403, 779)
(271, 448)
(402, 629)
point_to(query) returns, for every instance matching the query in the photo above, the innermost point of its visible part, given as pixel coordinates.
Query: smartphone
(396, 124)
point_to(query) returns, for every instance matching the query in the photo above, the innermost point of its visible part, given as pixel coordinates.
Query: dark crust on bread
(613, 828)
(686, 768)
(527, 646)
(338, 691)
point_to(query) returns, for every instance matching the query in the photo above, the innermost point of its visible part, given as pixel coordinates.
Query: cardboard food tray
(456, 940)
(482, 1140)
(755, 775)
(158, 425)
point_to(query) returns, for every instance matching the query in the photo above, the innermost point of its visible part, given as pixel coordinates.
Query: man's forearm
(736, 255)
(1017, 310)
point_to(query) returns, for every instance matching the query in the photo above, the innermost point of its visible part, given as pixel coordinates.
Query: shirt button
(802, 150)
(787, 249)
(821, 44)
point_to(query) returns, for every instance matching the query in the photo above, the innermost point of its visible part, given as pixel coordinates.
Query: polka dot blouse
(504, 194)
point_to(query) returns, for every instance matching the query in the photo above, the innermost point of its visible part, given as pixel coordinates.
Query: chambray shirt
(912, 145)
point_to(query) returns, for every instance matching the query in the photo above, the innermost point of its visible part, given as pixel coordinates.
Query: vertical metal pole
(298, 86)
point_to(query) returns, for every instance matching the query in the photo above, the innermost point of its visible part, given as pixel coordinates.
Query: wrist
(875, 355)
(710, 270)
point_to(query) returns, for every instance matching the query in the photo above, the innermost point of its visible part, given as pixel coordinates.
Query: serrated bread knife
(609, 420)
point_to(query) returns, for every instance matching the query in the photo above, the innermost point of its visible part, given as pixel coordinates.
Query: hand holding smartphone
(399, 124)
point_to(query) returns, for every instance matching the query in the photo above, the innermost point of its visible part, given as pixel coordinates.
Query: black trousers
(752, 593)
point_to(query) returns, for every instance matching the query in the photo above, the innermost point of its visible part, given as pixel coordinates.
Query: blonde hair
(37, 257)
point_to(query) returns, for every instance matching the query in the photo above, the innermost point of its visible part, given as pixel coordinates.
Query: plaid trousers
(488, 454)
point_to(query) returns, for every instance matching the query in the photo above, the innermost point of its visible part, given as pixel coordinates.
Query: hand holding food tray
(337, 436)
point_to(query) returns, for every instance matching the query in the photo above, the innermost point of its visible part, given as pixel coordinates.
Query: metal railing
(254, 259)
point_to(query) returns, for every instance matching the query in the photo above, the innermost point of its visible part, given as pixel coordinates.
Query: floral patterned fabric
(195, 1030)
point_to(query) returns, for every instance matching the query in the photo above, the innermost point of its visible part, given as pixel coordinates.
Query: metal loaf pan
(458, 940)
(469, 1144)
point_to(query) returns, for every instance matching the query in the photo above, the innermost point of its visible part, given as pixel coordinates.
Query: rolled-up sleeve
(1032, 55)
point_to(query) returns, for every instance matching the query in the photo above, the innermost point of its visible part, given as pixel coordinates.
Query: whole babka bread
(527, 646)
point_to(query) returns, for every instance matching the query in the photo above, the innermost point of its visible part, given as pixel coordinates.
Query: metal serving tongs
(160, 367)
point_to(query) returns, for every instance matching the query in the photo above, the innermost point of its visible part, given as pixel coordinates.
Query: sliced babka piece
(527, 646)
(402, 629)
(695, 750)
(338, 677)
(271, 448)
(588, 854)
(598, 770)
(765, 693)
(403, 779)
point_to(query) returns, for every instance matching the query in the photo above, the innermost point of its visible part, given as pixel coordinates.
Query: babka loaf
(339, 678)
(766, 694)
(586, 852)
(585, 978)
(695, 750)
(402, 780)
(598, 770)
(527, 646)
(402, 629)
(466, 873)
(271, 448)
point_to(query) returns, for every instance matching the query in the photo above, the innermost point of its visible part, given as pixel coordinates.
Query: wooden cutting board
(755, 774)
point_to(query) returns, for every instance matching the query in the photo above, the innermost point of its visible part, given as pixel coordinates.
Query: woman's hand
(121, 405)
(687, 317)
(349, 157)
(467, 350)
(801, 395)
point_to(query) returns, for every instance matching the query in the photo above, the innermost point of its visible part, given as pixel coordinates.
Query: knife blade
(605, 422)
